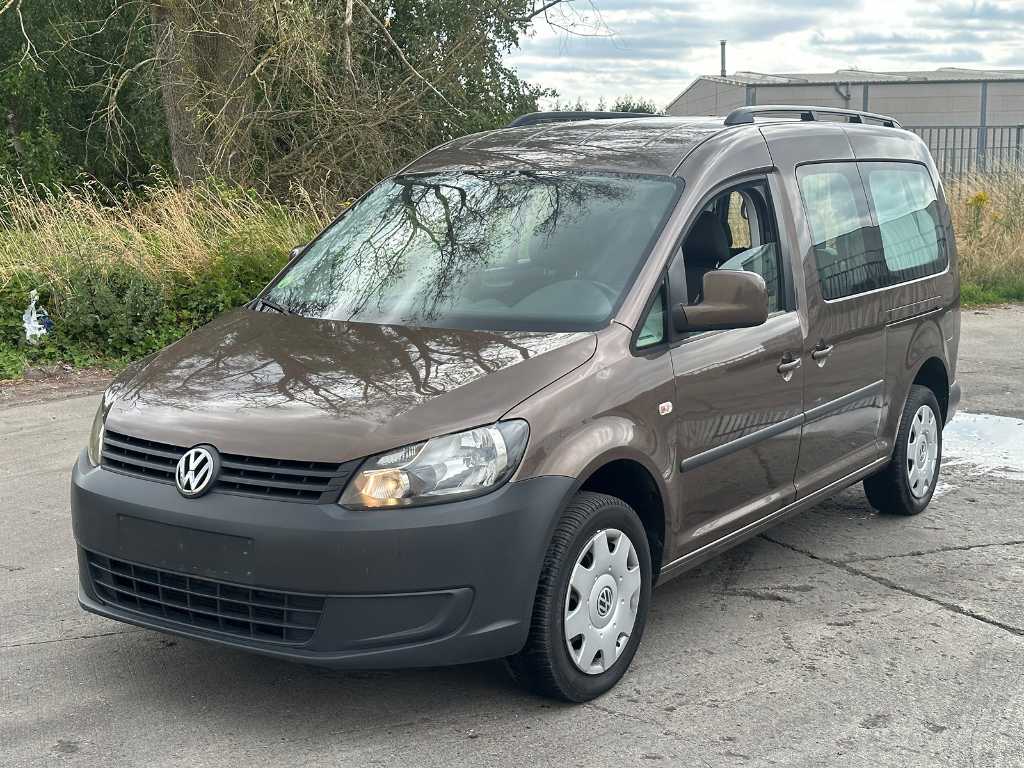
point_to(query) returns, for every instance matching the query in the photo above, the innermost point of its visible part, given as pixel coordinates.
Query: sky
(654, 49)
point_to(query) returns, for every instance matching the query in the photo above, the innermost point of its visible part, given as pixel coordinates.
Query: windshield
(511, 250)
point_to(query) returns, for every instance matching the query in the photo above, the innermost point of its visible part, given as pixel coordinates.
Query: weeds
(124, 279)
(121, 281)
(988, 217)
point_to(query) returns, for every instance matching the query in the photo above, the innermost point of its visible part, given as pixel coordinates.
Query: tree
(279, 93)
(48, 98)
(631, 104)
(622, 104)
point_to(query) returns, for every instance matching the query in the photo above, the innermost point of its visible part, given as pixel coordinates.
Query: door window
(841, 229)
(736, 231)
(738, 221)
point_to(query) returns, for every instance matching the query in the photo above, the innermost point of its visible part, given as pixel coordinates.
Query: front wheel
(591, 604)
(907, 483)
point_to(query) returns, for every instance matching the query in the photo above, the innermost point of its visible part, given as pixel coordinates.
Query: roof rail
(745, 115)
(536, 118)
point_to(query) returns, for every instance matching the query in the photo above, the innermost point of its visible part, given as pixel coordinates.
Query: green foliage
(117, 315)
(142, 274)
(1004, 292)
(621, 104)
(631, 104)
(50, 96)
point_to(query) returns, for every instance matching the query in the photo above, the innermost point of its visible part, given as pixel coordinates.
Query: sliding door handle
(821, 352)
(787, 366)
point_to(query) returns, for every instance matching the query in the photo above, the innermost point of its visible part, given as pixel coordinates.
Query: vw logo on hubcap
(196, 471)
(604, 601)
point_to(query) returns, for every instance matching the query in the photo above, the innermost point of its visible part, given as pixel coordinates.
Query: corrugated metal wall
(968, 125)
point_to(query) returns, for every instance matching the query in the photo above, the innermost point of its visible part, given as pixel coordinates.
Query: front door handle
(821, 352)
(787, 366)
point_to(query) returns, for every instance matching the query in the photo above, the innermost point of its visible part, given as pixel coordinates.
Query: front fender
(611, 408)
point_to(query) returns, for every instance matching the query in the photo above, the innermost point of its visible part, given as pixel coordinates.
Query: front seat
(704, 249)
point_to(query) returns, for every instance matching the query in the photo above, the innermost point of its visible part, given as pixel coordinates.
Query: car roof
(648, 145)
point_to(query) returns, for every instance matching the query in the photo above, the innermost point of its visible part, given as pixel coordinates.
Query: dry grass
(166, 233)
(171, 234)
(988, 217)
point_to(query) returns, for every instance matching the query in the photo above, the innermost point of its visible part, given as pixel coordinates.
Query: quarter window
(905, 205)
(653, 330)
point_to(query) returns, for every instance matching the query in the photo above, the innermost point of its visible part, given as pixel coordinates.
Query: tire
(545, 665)
(896, 490)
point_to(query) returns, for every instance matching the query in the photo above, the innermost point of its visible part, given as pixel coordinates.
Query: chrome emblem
(604, 601)
(196, 471)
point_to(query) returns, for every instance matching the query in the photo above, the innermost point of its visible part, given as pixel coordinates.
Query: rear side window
(906, 208)
(845, 243)
(856, 253)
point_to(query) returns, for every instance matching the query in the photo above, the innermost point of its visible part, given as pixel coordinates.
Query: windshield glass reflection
(510, 250)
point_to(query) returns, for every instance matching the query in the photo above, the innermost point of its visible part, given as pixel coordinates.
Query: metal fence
(960, 149)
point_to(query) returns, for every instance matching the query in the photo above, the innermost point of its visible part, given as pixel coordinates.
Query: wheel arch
(932, 373)
(629, 476)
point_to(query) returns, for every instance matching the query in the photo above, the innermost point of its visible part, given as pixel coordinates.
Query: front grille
(255, 614)
(308, 481)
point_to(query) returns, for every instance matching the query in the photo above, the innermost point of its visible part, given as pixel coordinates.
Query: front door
(738, 392)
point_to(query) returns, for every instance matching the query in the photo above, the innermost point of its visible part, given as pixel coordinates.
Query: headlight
(95, 447)
(454, 466)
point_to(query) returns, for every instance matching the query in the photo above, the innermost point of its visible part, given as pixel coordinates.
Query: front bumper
(444, 584)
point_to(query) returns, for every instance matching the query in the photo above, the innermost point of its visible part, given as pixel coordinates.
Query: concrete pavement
(839, 638)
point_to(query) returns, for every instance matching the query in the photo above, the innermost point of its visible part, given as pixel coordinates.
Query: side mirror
(732, 299)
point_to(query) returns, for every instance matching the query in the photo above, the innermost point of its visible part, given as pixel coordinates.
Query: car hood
(276, 386)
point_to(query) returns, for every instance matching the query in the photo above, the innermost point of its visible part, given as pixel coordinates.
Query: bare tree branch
(398, 50)
(347, 52)
(542, 10)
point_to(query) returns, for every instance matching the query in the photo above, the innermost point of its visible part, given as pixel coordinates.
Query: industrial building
(970, 118)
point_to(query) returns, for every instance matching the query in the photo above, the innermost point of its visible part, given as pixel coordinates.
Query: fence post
(983, 127)
(1019, 147)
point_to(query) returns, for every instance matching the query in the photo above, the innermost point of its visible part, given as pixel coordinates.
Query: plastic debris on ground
(36, 320)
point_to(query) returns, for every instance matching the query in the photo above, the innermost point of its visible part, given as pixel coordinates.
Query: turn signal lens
(95, 447)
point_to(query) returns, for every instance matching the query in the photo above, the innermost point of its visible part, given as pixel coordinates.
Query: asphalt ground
(840, 638)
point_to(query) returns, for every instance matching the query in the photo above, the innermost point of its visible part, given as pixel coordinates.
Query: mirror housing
(732, 299)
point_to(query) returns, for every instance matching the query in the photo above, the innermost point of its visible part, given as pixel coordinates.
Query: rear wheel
(591, 604)
(907, 483)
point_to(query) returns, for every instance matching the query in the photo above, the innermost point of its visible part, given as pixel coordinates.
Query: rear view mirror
(732, 299)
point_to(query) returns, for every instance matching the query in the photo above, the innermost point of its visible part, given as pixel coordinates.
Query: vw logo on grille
(196, 471)
(604, 601)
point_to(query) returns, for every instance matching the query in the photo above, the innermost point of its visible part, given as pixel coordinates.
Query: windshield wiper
(274, 306)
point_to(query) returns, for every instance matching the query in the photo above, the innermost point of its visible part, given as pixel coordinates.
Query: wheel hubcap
(922, 451)
(601, 601)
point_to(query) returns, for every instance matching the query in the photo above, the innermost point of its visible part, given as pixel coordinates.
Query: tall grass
(988, 217)
(123, 275)
(123, 279)
(165, 232)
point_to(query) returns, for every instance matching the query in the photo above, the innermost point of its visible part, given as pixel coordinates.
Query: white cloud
(654, 49)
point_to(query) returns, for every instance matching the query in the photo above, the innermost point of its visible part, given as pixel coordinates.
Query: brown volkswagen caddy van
(533, 374)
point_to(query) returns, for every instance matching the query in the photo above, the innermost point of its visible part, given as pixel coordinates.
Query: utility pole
(723, 57)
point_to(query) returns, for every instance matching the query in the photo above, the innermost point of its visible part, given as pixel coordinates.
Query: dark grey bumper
(444, 584)
(954, 401)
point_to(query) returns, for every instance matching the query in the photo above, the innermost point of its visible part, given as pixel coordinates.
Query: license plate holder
(185, 550)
